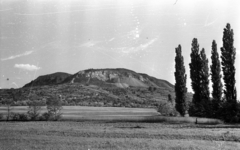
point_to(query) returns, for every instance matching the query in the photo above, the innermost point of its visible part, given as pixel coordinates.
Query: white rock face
(81, 72)
(121, 79)
(101, 75)
(113, 75)
(73, 80)
(130, 76)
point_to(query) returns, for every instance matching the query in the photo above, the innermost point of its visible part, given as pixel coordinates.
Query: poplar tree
(180, 85)
(199, 73)
(216, 81)
(204, 85)
(228, 60)
(195, 68)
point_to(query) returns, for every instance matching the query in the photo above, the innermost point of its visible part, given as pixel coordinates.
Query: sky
(39, 37)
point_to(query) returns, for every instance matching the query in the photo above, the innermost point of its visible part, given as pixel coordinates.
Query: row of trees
(35, 106)
(223, 104)
(54, 107)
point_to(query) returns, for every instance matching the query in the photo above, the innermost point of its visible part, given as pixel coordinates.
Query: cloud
(111, 39)
(88, 44)
(141, 47)
(27, 67)
(16, 56)
(207, 23)
(6, 9)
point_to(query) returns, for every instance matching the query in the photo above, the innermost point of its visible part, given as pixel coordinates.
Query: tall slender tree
(228, 61)
(199, 73)
(216, 81)
(195, 67)
(204, 85)
(180, 85)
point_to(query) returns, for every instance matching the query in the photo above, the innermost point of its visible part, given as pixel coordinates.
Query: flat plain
(96, 128)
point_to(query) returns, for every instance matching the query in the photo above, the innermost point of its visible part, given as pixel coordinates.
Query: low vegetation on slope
(51, 79)
(81, 95)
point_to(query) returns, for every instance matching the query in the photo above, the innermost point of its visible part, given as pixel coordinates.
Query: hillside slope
(50, 79)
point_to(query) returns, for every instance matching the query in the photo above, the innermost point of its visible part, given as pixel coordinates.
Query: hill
(50, 79)
(95, 87)
(119, 77)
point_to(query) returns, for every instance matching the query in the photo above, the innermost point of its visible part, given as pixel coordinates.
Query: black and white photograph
(119, 74)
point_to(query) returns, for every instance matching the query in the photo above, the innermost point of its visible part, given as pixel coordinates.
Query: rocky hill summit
(122, 78)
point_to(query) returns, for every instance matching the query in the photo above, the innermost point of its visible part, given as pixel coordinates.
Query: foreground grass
(119, 135)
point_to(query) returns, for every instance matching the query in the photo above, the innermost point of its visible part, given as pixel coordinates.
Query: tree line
(35, 106)
(223, 104)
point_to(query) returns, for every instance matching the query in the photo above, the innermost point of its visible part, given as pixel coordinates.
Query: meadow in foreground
(117, 128)
(116, 135)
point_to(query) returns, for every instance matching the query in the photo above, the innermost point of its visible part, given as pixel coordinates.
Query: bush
(48, 116)
(227, 116)
(19, 117)
(167, 109)
(45, 117)
(54, 107)
(34, 108)
(1, 117)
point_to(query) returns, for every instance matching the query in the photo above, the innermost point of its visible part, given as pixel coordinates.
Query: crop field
(92, 128)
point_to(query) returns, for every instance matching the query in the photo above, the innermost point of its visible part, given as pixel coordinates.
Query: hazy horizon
(46, 36)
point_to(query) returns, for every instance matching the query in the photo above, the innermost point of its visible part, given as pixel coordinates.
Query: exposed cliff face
(122, 78)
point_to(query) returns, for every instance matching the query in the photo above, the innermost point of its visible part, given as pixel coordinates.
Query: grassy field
(120, 114)
(95, 135)
(117, 128)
